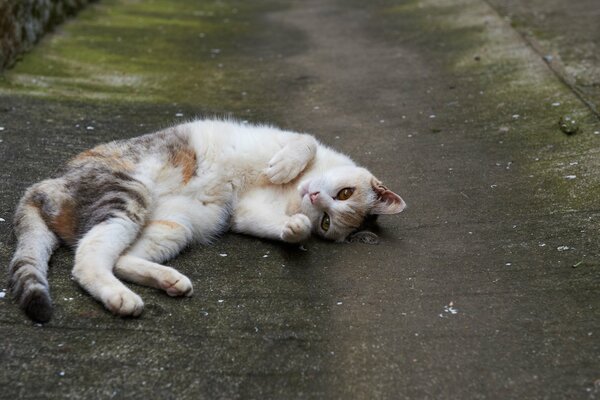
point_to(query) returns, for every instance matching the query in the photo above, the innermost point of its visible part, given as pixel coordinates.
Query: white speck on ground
(303, 248)
(89, 128)
(179, 114)
(223, 254)
(555, 104)
(563, 248)
(2, 295)
(516, 116)
(508, 264)
(265, 256)
(220, 301)
(205, 313)
(450, 308)
(2, 220)
(542, 244)
(1, 128)
(61, 373)
(432, 116)
(570, 177)
(339, 303)
(596, 132)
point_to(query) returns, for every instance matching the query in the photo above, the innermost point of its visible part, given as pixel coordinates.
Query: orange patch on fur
(186, 160)
(170, 224)
(113, 160)
(64, 224)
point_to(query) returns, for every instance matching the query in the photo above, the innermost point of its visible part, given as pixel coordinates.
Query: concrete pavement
(485, 287)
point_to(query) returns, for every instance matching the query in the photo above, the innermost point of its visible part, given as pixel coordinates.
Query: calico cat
(127, 206)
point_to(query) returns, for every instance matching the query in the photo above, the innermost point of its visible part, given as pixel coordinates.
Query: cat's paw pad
(296, 229)
(123, 302)
(283, 169)
(176, 284)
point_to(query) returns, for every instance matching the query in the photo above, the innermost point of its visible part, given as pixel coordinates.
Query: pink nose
(313, 197)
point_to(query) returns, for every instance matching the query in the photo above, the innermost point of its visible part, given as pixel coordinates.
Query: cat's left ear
(388, 202)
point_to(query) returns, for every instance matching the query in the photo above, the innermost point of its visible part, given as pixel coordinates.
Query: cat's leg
(261, 215)
(288, 162)
(95, 257)
(174, 224)
(147, 273)
(160, 240)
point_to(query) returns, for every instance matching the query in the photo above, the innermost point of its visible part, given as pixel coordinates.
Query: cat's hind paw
(296, 229)
(176, 284)
(123, 302)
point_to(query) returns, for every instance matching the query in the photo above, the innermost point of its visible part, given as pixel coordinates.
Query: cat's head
(340, 200)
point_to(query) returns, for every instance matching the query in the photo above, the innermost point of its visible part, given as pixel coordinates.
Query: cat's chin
(303, 188)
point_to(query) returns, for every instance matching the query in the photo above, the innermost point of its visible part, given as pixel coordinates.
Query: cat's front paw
(283, 168)
(296, 229)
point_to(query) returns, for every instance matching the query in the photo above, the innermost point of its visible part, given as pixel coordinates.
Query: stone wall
(24, 22)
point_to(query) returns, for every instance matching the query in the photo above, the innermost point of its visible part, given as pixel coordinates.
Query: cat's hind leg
(175, 223)
(95, 258)
(113, 208)
(147, 273)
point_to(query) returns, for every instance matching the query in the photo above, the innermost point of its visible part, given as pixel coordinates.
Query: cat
(127, 206)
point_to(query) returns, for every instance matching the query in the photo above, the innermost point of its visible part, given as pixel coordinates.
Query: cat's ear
(387, 202)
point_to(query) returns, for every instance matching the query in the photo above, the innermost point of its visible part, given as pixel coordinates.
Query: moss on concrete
(156, 51)
(518, 106)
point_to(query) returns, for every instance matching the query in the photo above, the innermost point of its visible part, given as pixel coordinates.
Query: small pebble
(568, 125)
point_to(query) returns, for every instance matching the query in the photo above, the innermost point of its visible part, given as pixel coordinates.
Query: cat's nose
(313, 197)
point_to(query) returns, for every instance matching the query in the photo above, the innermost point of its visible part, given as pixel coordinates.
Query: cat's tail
(35, 244)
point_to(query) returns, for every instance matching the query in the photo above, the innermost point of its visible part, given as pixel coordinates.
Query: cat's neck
(326, 159)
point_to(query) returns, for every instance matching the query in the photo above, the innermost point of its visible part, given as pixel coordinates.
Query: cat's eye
(325, 222)
(345, 193)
